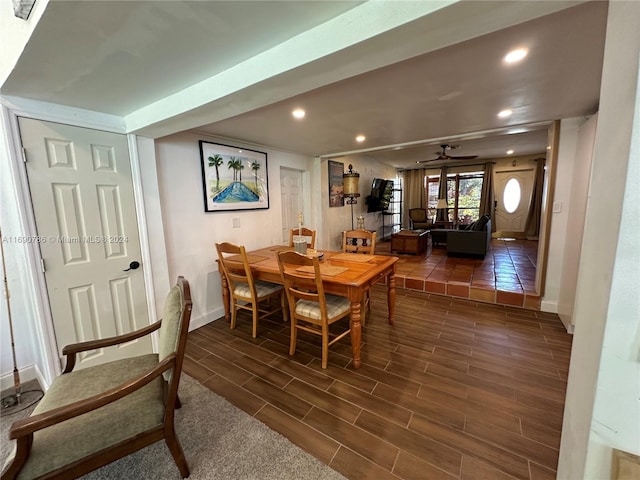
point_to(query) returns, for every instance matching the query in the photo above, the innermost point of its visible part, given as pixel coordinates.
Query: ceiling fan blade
(464, 157)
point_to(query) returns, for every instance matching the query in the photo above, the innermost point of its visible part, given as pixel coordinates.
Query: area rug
(219, 440)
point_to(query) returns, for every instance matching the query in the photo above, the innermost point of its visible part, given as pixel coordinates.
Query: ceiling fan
(443, 155)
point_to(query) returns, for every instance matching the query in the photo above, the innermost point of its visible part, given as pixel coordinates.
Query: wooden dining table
(348, 275)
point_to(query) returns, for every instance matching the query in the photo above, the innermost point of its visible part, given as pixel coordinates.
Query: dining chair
(309, 234)
(310, 309)
(245, 292)
(360, 241)
(93, 416)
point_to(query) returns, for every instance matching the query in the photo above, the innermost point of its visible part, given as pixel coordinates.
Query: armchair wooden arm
(71, 350)
(29, 425)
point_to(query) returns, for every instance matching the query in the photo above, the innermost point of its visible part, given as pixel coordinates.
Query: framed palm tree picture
(233, 178)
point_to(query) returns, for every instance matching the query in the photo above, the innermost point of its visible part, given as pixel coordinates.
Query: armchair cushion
(101, 428)
(418, 214)
(479, 224)
(170, 327)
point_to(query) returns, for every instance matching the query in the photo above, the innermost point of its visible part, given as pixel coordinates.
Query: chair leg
(255, 319)
(325, 345)
(294, 336)
(234, 312)
(285, 306)
(177, 453)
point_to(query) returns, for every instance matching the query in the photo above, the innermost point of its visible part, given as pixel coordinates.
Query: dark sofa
(474, 240)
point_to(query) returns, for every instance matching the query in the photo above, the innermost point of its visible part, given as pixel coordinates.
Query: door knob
(132, 266)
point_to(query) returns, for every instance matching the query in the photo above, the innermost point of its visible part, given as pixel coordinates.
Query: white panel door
(513, 218)
(291, 200)
(83, 203)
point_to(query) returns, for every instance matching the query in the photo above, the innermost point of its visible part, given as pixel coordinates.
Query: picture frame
(336, 185)
(233, 178)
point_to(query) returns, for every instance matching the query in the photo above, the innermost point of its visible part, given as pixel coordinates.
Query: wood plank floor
(455, 389)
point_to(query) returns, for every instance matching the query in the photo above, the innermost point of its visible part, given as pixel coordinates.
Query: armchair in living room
(419, 220)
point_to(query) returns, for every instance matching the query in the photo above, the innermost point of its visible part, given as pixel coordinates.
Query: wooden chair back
(247, 293)
(309, 234)
(235, 264)
(418, 214)
(359, 241)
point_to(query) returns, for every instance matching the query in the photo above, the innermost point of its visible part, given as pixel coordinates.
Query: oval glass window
(511, 196)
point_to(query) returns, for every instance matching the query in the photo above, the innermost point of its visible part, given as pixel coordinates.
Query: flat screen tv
(381, 193)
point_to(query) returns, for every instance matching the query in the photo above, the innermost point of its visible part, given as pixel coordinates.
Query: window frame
(453, 212)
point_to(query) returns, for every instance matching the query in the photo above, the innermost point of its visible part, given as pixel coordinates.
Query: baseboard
(566, 322)
(549, 306)
(204, 319)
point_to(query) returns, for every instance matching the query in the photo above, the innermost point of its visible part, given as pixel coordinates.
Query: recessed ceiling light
(509, 152)
(360, 138)
(505, 113)
(298, 113)
(515, 55)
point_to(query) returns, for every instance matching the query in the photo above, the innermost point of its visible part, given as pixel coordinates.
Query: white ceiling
(118, 57)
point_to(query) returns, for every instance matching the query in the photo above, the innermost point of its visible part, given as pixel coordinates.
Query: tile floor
(506, 276)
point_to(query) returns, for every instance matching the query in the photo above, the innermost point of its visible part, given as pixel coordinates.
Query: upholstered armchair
(419, 220)
(93, 416)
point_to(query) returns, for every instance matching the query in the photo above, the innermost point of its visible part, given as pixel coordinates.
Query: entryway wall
(577, 196)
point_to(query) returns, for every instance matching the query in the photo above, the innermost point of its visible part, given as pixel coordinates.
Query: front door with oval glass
(513, 191)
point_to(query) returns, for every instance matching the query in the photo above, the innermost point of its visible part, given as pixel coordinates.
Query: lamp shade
(350, 183)
(442, 203)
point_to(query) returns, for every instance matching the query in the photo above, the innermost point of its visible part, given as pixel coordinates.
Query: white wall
(558, 235)
(606, 293)
(190, 233)
(576, 210)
